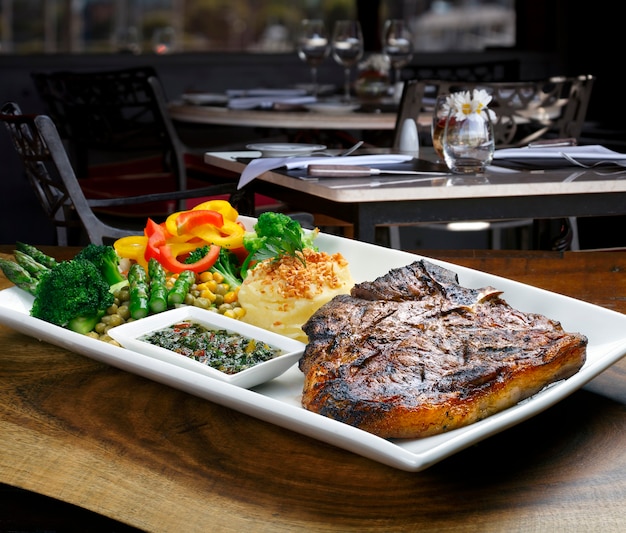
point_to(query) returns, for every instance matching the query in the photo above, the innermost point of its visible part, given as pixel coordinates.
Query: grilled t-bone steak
(414, 354)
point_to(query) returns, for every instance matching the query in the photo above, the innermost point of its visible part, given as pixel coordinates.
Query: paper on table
(256, 167)
(205, 98)
(268, 102)
(595, 152)
(266, 92)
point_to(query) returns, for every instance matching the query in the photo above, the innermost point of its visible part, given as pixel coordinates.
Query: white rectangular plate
(278, 401)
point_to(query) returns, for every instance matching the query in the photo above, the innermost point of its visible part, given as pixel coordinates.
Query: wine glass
(397, 44)
(163, 40)
(313, 46)
(128, 41)
(347, 47)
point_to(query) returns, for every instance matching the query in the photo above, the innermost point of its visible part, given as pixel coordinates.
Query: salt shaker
(409, 138)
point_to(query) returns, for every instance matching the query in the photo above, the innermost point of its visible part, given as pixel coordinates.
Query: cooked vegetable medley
(195, 257)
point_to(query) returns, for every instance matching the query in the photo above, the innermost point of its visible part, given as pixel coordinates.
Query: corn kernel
(201, 287)
(206, 276)
(230, 313)
(239, 312)
(206, 293)
(230, 297)
(218, 277)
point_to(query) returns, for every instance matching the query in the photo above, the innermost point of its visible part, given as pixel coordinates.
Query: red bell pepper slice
(172, 264)
(157, 237)
(188, 220)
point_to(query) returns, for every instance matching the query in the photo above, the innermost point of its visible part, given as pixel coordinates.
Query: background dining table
(285, 118)
(159, 459)
(394, 199)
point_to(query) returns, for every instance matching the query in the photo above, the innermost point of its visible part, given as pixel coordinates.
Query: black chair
(52, 177)
(116, 124)
(485, 71)
(526, 110)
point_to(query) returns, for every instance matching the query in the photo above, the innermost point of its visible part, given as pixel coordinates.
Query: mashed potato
(282, 295)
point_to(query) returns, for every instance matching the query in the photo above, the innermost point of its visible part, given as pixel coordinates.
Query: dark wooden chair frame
(52, 177)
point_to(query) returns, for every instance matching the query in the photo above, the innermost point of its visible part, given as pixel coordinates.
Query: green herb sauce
(220, 349)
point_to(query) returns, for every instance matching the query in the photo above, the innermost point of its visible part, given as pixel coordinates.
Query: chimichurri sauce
(226, 351)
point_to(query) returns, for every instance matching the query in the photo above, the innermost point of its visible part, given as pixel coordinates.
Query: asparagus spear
(19, 276)
(29, 264)
(181, 287)
(36, 254)
(158, 290)
(138, 286)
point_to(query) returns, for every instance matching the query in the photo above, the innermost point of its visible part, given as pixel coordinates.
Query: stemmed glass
(347, 47)
(164, 40)
(313, 46)
(397, 44)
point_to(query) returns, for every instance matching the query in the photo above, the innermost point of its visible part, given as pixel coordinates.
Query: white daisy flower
(473, 106)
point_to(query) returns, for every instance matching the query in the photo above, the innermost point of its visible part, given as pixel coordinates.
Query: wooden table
(369, 202)
(162, 460)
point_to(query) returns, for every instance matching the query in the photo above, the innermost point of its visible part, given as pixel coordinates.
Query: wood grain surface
(159, 459)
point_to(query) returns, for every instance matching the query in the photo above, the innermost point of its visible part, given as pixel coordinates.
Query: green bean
(158, 290)
(138, 285)
(36, 254)
(181, 287)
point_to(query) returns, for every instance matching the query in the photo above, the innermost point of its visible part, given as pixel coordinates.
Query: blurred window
(168, 26)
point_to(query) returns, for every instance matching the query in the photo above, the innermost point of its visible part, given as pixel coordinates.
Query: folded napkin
(593, 152)
(256, 167)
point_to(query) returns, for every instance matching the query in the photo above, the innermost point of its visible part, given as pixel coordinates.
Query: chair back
(525, 110)
(485, 71)
(50, 173)
(110, 116)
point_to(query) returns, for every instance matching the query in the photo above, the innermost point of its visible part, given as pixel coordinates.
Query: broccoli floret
(106, 259)
(74, 294)
(275, 235)
(227, 265)
(196, 255)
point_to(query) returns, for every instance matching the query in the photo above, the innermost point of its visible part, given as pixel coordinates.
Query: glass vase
(468, 144)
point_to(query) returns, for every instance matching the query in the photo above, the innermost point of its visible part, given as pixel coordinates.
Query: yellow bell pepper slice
(221, 206)
(132, 247)
(230, 235)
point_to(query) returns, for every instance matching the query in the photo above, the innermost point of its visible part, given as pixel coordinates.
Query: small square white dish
(129, 336)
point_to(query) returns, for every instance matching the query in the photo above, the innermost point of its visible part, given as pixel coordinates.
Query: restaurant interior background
(214, 45)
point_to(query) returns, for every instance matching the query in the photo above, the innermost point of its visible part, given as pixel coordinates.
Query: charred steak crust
(414, 354)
